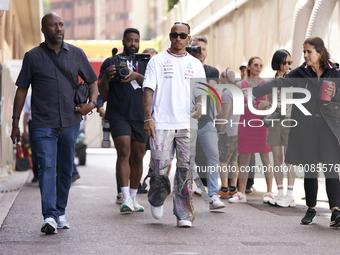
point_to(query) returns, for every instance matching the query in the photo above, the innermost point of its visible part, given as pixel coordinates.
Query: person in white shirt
(171, 110)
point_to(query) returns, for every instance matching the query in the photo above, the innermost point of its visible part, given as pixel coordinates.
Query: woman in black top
(315, 138)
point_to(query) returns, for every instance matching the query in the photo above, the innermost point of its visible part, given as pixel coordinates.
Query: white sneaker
(268, 196)
(215, 203)
(49, 226)
(198, 191)
(136, 207)
(127, 205)
(119, 198)
(62, 223)
(238, 198)
(275, 200)
(184, 223)
(157, 212)
(288, 201)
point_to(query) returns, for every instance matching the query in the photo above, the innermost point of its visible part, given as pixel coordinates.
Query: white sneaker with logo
(238, 198)
(268, 197)
(127, 205)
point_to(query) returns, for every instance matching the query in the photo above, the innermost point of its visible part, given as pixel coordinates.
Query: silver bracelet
(147, 120)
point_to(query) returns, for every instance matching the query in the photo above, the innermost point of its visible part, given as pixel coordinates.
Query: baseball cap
(244, 64)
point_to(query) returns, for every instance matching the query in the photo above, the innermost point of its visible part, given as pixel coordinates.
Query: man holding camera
(170, 110)
(121, 78)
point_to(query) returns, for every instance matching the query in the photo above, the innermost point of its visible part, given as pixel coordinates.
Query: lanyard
(251, 85)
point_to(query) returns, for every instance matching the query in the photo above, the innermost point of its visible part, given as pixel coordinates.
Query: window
(68, 23)
(68, 5)
(83, 21)
(55, 6)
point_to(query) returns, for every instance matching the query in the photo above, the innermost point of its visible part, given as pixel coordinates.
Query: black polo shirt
(52, 95)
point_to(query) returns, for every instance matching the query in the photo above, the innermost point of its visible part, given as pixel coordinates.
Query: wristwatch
(94, 102)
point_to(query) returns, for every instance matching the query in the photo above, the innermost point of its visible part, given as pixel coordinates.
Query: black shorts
(132, 128)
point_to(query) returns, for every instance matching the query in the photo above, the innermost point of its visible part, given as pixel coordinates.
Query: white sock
(133, 192)
(280, 189)
(125, 191)
(290, 190)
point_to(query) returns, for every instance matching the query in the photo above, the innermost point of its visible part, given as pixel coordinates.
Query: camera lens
(123, 72)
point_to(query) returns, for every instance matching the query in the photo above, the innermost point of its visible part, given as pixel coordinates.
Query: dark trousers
(329, 155)
(33, 153)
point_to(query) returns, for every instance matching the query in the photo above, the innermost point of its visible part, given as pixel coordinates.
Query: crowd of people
(154, 107)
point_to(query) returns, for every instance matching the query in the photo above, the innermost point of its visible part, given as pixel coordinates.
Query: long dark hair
(278, 57)
(320, 48)
(249, 63)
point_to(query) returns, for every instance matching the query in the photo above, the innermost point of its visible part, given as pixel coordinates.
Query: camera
(195, 49)
(106, 143)
(275, 115)
(121, 66)
(121, 63)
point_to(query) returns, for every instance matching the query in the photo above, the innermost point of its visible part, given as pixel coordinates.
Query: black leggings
(329, 155)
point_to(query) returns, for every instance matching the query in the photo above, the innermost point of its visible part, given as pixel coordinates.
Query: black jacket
(301, 142)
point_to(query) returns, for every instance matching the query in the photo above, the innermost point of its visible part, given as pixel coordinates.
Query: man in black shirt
(55, 116)
(125, 113)
(207, 133)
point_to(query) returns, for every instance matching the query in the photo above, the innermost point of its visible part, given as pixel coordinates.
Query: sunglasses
(257, 65)
(287, 62)
(181, 35)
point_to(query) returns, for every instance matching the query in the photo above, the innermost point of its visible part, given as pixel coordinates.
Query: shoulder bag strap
(67, 76)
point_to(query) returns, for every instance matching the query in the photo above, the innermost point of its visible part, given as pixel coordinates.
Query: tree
(171, 4)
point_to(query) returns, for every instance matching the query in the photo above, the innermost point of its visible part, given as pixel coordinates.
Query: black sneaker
(309, 216)
(141, 190)
(335, 219)
(35, 179)
(75, 177)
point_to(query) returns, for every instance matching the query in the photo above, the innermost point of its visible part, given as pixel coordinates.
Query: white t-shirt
(168, 75)
(27, 106)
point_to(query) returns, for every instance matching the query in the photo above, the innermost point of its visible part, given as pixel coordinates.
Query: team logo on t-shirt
(168, 69)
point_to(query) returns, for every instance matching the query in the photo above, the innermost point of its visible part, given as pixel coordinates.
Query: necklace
(251, 85)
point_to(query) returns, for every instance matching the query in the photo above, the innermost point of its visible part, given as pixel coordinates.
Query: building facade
(19, 32)
(107, 19)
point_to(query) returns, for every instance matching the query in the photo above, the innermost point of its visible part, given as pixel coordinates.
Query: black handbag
(331, 109)
(81, 90)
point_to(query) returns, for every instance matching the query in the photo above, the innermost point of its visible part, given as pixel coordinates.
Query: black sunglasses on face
(287, 62)
(181, 35)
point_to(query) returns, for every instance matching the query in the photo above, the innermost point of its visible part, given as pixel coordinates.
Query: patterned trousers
(162, 152)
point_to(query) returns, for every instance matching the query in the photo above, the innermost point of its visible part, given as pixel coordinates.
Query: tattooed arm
(149, 125)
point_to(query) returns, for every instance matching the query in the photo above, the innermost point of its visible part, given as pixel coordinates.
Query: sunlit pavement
(97, 226)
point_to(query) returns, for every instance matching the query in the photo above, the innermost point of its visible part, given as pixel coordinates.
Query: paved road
(97, 227)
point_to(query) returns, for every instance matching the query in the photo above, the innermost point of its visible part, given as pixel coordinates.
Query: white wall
(238, 30)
